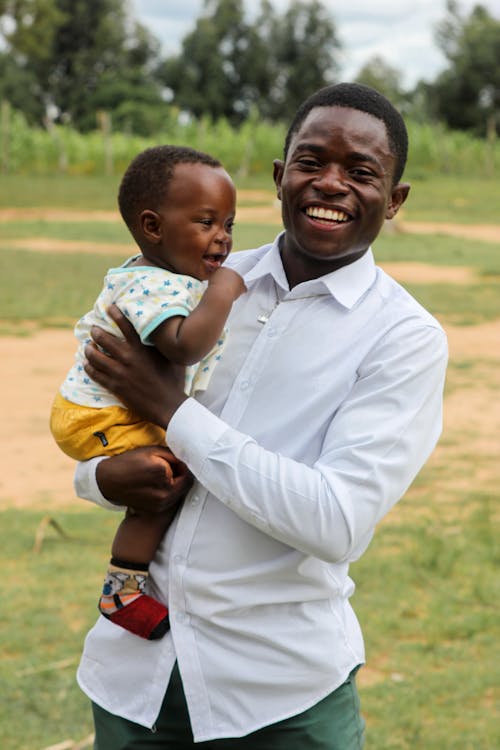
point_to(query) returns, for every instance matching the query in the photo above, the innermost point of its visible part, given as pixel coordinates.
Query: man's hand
(150, 479)
(136, 374)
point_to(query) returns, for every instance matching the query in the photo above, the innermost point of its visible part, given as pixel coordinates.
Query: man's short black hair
(363, 98)
(146, 180)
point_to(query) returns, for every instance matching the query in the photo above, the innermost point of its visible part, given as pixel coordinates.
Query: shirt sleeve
(376, 443)
(152, 296)
(85, 484)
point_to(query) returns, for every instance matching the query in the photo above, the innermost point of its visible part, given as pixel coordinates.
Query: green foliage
(77, 57)
(467, 94)
(249, 148)
(245, 150)
(380, 75)
(228, 66)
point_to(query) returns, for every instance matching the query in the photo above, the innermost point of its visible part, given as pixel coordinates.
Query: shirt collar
(347, 285)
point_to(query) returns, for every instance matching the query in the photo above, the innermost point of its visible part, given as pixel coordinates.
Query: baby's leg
(123, 600)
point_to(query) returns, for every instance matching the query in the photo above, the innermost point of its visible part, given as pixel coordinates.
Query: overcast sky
(401, 31)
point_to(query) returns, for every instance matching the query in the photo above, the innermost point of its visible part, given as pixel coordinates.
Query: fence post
(4, 135)
(104, 121)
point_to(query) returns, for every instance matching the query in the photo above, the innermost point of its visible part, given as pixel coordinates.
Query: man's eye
(361, 172)
(308, 163)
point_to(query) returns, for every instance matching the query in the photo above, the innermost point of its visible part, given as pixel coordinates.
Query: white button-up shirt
(314, 424)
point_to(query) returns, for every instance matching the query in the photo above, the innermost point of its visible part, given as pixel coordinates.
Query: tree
(380, 75)
(467, 94)
(206, 78)
(305, 47)
(80, 55)
(227, 66)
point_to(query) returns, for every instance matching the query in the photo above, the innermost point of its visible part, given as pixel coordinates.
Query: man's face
(336, 189)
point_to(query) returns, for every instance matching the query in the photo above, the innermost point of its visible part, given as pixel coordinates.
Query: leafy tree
(80, 55)
(305, 47)
(228, 66)
(380, 75)
(207, 78)
(467, 95)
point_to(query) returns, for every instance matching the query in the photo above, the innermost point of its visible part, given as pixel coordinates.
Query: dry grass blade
(42, 530)
(72, 745)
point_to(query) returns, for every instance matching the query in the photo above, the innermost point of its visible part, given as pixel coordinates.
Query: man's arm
(330, 509)
(376, 443)
(149, 478)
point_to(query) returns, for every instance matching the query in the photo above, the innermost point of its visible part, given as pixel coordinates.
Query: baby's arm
(186, 340)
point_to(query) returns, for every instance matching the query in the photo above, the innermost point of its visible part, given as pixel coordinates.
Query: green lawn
(436, 198)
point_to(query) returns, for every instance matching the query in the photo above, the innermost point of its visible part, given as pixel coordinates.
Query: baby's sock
(124, 603)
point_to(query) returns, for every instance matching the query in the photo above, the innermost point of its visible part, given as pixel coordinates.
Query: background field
(427, 589)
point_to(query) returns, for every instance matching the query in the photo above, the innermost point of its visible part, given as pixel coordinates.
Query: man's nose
(331, 179)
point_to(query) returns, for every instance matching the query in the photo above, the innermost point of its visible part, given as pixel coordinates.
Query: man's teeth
(317, 212)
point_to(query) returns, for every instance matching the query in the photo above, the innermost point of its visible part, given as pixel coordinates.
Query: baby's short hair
(147, 178)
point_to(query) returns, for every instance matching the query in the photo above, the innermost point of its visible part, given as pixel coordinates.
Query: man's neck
(299, 268)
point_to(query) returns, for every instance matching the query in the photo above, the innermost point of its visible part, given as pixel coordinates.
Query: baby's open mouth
(215, 260)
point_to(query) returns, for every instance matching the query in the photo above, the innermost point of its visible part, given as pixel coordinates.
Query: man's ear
(150, 223)
(398, 197)
(278, 167)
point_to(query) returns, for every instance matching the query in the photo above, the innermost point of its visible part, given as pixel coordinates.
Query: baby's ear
(150, 224)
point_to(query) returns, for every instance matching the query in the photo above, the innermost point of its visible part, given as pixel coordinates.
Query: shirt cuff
(192, 434)
(86, 487)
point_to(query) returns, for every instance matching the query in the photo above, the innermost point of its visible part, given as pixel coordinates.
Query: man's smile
(327, 216)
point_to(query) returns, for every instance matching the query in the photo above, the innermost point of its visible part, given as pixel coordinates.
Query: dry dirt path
(35, 473)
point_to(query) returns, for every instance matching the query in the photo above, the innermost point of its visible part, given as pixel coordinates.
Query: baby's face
(197, 219)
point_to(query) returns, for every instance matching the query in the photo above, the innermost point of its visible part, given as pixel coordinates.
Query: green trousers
(334, 723)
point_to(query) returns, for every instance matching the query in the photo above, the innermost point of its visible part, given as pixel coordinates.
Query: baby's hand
(228, 280)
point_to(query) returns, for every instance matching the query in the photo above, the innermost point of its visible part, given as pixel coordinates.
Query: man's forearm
(86, 486)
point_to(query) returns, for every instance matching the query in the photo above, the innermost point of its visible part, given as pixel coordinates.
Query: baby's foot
(124, 603)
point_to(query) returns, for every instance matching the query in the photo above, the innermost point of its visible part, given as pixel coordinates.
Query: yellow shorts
(83, 432)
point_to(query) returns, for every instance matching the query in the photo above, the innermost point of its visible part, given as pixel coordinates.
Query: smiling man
(327, 403)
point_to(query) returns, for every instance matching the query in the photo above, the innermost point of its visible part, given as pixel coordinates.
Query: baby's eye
(206, 222)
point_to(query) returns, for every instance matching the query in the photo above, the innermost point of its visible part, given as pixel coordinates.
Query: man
(324, 408)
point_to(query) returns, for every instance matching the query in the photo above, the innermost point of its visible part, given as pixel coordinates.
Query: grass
(45, 623)
(434, 198)
(428, 587)
(427, 591)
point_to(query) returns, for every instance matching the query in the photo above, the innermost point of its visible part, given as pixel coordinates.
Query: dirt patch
(36, 473)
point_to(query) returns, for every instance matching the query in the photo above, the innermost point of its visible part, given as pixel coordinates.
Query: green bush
(245, 151)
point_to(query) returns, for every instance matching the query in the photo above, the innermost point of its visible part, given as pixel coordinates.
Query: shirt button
(271, 333)
(178, 559)
(195, 500)
(244, 385)
(181, 617)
